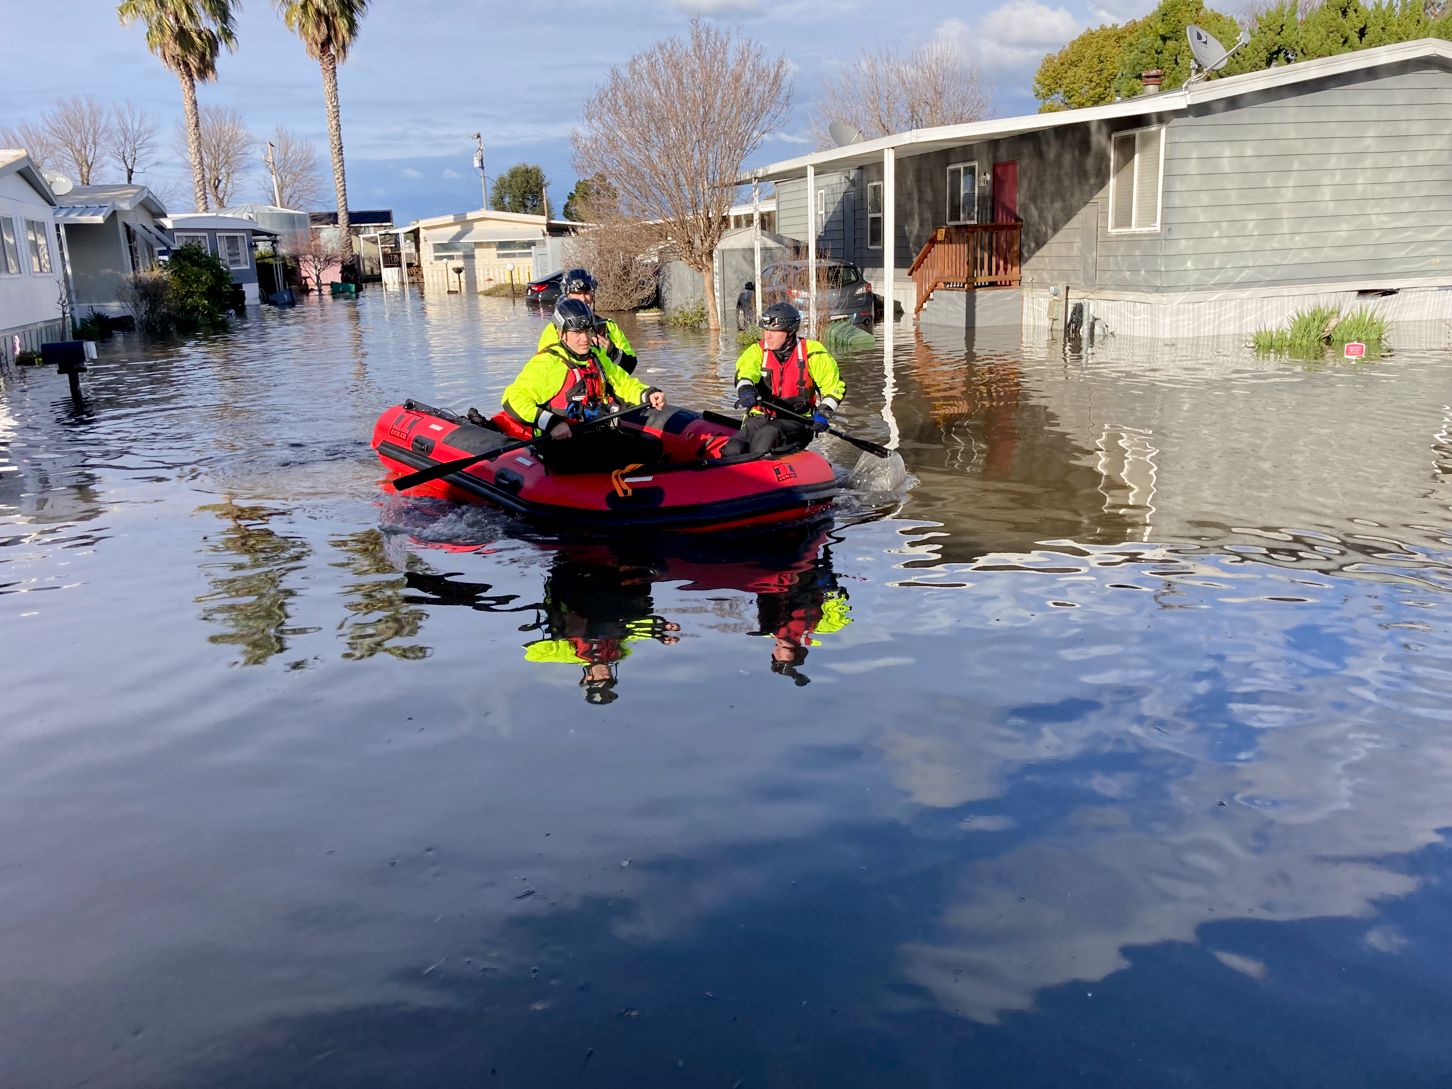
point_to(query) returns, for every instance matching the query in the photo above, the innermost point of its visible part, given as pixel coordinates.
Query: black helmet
(783, 316)
(573, 314)
(578, 282)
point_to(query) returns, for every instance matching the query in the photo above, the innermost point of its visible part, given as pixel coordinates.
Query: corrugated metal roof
(84, 213)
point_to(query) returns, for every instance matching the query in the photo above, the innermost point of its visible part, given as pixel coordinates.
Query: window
(1136, 175)
(38, 234)
(519, 248)
(232, 248)
(874, 216)
(450, 249)
(9, 247)
(962, 190)
(191, 238)
(821, 206)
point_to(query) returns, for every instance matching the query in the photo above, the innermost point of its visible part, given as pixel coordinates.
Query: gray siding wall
(1347, 180)
(836, 228)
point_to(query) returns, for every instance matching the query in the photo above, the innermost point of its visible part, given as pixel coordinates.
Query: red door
(1005, 192)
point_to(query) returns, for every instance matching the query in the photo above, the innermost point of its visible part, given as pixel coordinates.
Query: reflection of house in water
(379, 604)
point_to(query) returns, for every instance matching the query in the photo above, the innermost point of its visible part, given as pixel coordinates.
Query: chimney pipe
(1151, 78)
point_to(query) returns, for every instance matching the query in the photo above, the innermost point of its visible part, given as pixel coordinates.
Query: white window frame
(192, 238)
(969, 200)
(243, 247)
(1154, 228)
(37, 236)
(877, 215)
(6, 256)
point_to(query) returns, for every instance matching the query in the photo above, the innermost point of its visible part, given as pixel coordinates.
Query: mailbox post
(69, 357)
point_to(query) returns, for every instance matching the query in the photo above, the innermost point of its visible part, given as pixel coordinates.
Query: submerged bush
(145, 293)
(1310, 333)
(200, 289)
(690, 316)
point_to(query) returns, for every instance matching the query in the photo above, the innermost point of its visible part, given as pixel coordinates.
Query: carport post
(889, 267)
(812, 250)
(756, 243)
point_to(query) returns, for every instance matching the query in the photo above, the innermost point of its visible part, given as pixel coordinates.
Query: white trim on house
(192, 238)
(1136, 157)
(243, 241)
(877, 215)
(967, 202)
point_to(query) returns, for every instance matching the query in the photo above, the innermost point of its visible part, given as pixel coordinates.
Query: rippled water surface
(1115, 751)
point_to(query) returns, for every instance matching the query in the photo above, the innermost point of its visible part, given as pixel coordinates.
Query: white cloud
(450, 172)
(718, 9)
(1014, 35)
(789, 137)
(410, 172)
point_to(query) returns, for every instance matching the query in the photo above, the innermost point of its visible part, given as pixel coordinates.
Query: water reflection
(249, 598)
(380, 610)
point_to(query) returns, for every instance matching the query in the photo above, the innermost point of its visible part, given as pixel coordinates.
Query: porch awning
(84, 213)
(154, 236)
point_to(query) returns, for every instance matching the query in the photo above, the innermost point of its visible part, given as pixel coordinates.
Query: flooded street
(1119, 757)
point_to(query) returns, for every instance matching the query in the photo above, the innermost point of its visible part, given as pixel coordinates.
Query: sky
(425, 75)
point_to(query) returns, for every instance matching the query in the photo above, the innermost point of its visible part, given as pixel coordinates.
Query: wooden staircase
(968, 256)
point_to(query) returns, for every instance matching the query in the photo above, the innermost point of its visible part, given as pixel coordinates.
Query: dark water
(1119, 755)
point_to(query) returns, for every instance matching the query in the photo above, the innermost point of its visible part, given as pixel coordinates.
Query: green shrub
(1310, 332)
(200, 289)
(691, 316)
(93, 326)
(750, 335)
(28, 358)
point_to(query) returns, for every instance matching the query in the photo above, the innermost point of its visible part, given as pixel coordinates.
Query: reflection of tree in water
(249, 592)
(381, 611)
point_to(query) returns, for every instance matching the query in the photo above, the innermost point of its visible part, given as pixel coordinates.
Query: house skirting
(1238, 312)
(32, 336)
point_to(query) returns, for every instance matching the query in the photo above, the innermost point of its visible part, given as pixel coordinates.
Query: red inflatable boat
(691, 489)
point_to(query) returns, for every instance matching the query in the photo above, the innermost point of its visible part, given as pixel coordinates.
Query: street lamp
(479, 166)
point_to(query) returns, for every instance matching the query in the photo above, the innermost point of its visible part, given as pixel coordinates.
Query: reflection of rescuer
(592, 615)
(808, 603)
(798, 372)
(579, 284)
(570, 383)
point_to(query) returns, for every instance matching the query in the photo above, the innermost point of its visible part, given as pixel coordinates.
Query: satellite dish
(1209, 54)
(59, 184)
(843, 134)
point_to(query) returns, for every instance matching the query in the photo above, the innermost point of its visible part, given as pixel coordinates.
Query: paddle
(434, 472)
(861, 444)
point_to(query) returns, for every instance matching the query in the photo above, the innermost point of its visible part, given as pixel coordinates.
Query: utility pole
(479, 166)
(272, 167)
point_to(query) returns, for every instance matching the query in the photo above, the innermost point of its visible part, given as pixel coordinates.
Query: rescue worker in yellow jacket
(571, 383)
(799, 373)
(579, 284)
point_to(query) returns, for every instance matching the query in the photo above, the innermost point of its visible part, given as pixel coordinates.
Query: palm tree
(187, 35)
(327, 29)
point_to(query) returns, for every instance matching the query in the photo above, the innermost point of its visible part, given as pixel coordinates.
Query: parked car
(847, 294)
(545, 291)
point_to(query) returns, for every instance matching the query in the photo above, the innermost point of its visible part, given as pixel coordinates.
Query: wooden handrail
(966, 256)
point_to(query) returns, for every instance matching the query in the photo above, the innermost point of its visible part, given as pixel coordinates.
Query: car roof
(803, 263)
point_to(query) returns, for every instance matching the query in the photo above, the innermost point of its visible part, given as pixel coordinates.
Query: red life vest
(583, 389)
(597, 651)
(791, 380)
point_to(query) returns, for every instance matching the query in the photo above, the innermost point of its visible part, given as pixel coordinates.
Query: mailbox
(69, 356)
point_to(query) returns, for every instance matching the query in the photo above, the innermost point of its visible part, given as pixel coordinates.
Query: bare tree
(80, 127)
(35, 141)
(315, 253)
(226, 148)
(671, 129)
(622, 254)
(884, 91)
(133, 139)
(299, 184)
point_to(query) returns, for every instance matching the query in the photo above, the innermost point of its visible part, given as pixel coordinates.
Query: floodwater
(1119, 754)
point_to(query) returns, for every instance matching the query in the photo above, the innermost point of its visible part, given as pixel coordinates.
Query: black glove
(746, 396)
(559, 430)
(821, 419)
